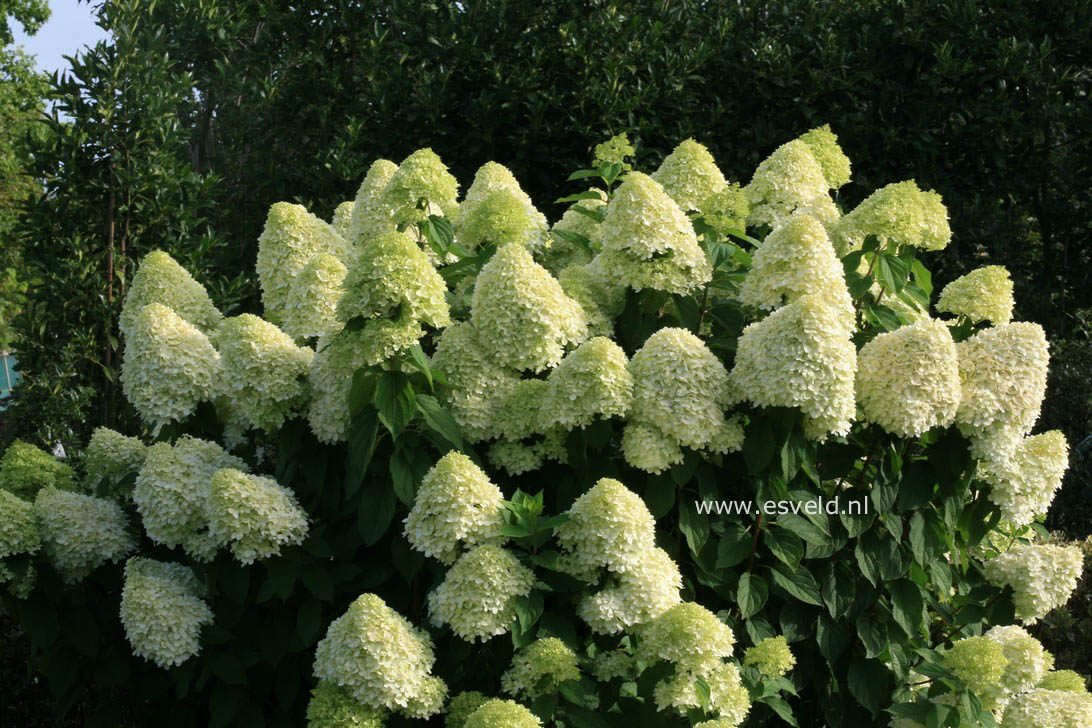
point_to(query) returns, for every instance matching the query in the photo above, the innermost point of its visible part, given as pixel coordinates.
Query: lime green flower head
(26, 469)
(497, 713)
(726, 209)
(263, 371)
(160, 279)
(371, 216)
(649, 242)
(1023, 485)
(801, 356)
(679, 387)
(111, 456)
(614, 151)
(529, 318)
(984, 294)
(173, 489)
(728, 697)
(824, 145)
(477, 598)
(592, 380)
(771, 657)
(1027, 661)
(1063, 680)
(609, 527)
(598, 297)
(539, 668)
(421, 186)
(81, 532)
(393, 275)
(379, 658)
(646, 448)
(900, 213)
(455, 504)
(496, 210)
(291, 238)
(980, 663)
(1043, 576)
(640, 595)
(314, 293)
(689, 175)
(795, 260)
(1047, 709)
(342, 219)
(789, 179)
(255, 516)
(908, 379)
(515, 458)
(19, 532)
(688, 635)
(332, 706)
(168, 367)
(1003, 371)
(478, 385)
(330, 377)
(162, 611)
(461, 706)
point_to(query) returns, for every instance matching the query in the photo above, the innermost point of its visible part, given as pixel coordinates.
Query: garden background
(181, 129)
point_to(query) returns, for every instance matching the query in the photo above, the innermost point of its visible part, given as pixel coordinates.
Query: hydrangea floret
(984, 294)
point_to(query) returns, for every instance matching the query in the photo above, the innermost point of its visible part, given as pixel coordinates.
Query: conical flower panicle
(421, 186)
(648, 242)
(900, 213)
(162, 611)
(168, 367)
(984, 294)
(529, 319)
(823, 144)
(313, 296)
(160, 279)
(689, 175)
(371, 215)
(342, 219)
(497, 210)
(789, 179)
(291, 238)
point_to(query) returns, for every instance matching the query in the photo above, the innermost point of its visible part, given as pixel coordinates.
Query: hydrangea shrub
(471, 468)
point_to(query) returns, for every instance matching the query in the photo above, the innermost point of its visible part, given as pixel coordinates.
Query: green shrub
(492, 492)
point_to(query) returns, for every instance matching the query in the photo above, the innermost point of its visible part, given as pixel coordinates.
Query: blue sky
(70, 27)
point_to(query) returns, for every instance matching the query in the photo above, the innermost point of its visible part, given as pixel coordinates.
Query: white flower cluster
(689, 175)
(496, 210)
(332, 706)
(162, 611)
(1043, 576)
(26, 469)
(788, 180)
(111, 456)
(315, 293)
(455, 503)
(908, 379)
(477, 598)
(801, 356)
(81, 532)
(160, 279)
(254, 515)
(601, 299)
(823, 144)
(381, 660)
(172, 493)
(370, 216)
(649, 242)
(591, 381)
(796, 259)
(609, 527)
(679, 392)
(19, 532)
(1003, 371)
(984, 294)
(498, 713)
(1023, 485)
(539, 668)
(638, 595)
(420, 177)
(291, 239)
(529, 319)
(900, 213)
(169, 365)
(263, 372)
(692, 638)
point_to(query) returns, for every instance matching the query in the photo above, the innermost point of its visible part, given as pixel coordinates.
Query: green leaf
(751, 594)
(440, 420)
(585, 195)
(439, 234)
(362, 391)
(870, 683)
(734, 546)
(695, 526)
(799, 583)
(758, 445)
(419, 360)
(838, 586)
(582, 174)
(576, 239)
(363, 433)
(832, 637)
(786, 546)
(395, 401)
(375, 512)
(906, 605)
(922, 277)
(804, 528)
